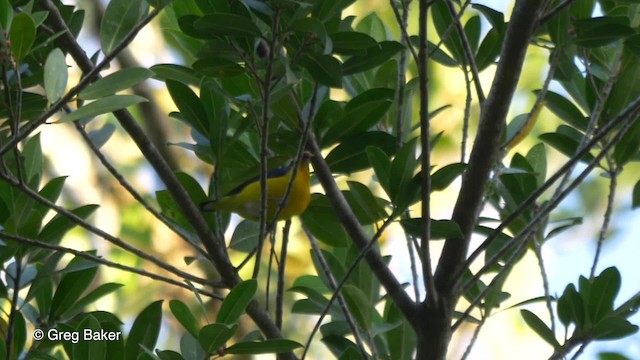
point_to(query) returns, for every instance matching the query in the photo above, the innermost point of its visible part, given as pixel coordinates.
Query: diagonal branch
(487, 142)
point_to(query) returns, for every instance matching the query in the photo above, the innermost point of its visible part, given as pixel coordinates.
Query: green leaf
(489, 49)
(537, 158)
(381, 166)
(22, 34)
(446, 30)
(235, 304)
(352, 43)
(269, 346)
(189, 105)
(218, 67)
(32, 153)
(565, 110)
(6, 15)
(360, 114)
(102, 106)
(401, 176)
(635, 199)
(359, 306)
(115, 82)
(537, 325)
(245, 236)
(325, 69)
(443, 177)
(326, 10)
(375, 56)
(144, 331)
(227, 24)
(571, 307)
(440, 229)
(99, 137)
(566, 144)
(319, 213)
(177, 73)
(401, 339)
(93, 349)
(91, 297)
(604, 290)
(350, 155)
(212, 337)
(600, 31)
(184, 316)
(71, 286)
(120, 17)
(365, 205)
(611, 328)
(55, 75)
(628, 146)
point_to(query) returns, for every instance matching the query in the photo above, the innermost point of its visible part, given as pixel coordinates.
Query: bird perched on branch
(245, 199)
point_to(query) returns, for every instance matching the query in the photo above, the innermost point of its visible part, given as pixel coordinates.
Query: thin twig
(103, 261)
(613, 172)
(425, 142)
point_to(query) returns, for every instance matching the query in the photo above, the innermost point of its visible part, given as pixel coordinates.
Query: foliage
(262, 82)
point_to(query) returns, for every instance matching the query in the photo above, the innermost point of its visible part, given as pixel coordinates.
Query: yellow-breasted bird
(245, 199)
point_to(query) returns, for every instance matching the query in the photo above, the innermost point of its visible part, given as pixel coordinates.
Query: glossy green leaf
(218, 67)
(537, 158)
(93, 349)
(33, 159)
(325, 69)
(495, 17)
(565, 110)
(103, 106)
(375, 56)
(144, 331)
(604, 290)
(120, 17)
(118, 81)
(184, 316)
(360, 114)
(359, 306)
(489, 48)
(55, 75)
(381, 164)
(401, 175)
(326, 10)
(319, 213)
(537, 325)
(269, 346)
(600, 31)
(446, 29)
(444, 176)
(566, 144)
(213, 336)
(6, 16)
(350, 155)
(440, 229)
(53, 231)
(401, 339)
(22, 34)
(100, 136)
(632, 43)
(351, 42)
(472, 29)
(612, 328)
(94, 295)
(175, 72)
(571, 307)
(635, 199)
(365, 205)
(189, 105)
(236, 302)
(71, 286)
(227, 24)
(245, 236)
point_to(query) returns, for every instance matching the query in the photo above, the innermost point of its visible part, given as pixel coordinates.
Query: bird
(245, 199)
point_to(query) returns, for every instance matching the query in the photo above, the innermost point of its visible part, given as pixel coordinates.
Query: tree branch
(487, 142)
